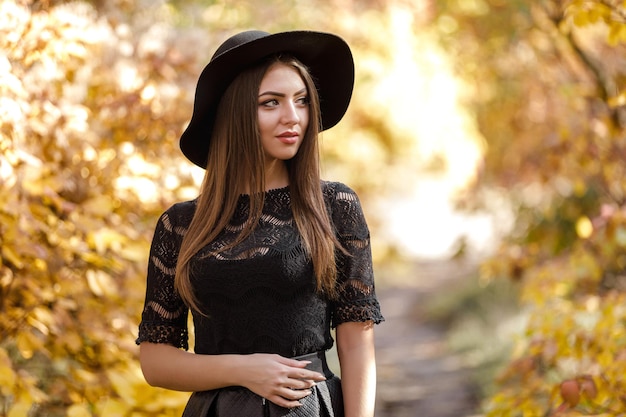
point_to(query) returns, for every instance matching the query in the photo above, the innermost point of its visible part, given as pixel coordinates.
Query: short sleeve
(356, 296)
(164, 316)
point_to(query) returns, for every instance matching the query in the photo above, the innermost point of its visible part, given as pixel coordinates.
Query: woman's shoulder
(180, 213)
(344, 208)
(336, 189)
(340, 198)
(338, 194)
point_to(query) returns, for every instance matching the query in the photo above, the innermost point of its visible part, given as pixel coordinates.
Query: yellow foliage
(568, 253)
(21, 409)
(617, 33)
(78, 410)
(72, 255)
(8, 378)
(129, 385)
(575, 331)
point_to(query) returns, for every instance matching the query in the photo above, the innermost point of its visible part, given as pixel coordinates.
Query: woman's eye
(269, 103)
(303, 100)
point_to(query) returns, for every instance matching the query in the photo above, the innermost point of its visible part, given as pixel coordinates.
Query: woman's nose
(290, 114)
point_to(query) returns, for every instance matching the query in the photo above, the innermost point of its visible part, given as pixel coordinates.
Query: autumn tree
(550, 99)
(89, 111)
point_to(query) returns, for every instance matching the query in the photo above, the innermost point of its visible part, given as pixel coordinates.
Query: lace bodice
(260, 296)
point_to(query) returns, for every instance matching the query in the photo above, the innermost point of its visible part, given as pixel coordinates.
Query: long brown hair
(236, 162)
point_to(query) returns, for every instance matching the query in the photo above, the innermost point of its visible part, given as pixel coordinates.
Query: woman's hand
(280, 380)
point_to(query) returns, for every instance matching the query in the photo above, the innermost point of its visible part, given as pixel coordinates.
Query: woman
(268, 258)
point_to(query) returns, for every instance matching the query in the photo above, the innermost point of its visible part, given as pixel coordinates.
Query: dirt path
(417, 375)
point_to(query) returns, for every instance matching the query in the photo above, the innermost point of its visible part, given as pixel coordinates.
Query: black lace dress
(260, 297)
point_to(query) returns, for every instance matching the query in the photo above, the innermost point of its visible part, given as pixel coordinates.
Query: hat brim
(327, 57)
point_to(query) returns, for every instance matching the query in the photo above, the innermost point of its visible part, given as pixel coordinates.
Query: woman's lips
(288, 138)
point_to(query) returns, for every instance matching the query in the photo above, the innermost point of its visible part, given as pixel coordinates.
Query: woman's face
(283, 112)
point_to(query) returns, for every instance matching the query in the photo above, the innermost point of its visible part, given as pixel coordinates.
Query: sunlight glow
(144, 188)
(137, 176)
(128, 76)
(7, 173)
(423, 96)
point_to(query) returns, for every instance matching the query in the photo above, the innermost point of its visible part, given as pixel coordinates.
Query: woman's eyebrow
(277, 94)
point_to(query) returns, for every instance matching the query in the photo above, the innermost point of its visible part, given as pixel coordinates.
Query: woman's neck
(276, 175)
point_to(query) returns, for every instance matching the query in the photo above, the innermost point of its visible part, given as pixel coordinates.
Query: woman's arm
(270, 376)
(355, 347)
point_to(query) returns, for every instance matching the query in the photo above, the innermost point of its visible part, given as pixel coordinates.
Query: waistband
(318, 363)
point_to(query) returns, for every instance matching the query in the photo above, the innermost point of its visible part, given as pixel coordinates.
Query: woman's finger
(282, 402)
(300, 383)
(294, 394)
(307, 374)
(294, 363)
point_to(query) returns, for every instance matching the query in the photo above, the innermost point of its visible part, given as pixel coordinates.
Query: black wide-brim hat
(327, 57)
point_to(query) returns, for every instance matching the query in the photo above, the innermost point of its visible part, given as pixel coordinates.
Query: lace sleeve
(164, 316)
(356, 301)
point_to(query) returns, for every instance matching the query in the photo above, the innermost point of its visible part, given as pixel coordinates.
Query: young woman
(268, 258)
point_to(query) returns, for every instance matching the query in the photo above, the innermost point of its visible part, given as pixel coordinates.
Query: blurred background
(485, 139)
